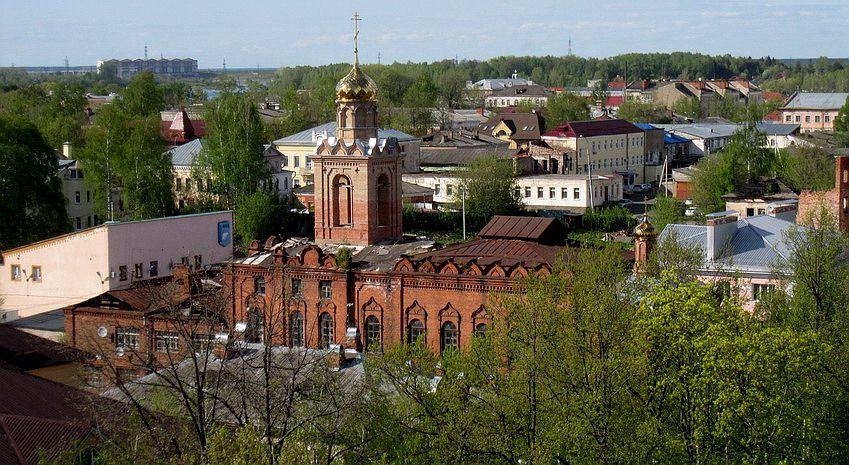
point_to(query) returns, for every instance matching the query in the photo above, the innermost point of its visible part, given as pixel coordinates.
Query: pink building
(68, 269)
(813, 111)
(745, 253)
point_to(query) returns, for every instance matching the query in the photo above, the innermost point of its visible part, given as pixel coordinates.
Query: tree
(807, 168)
(232, 155)
(31, 202)
(142, 97)
(126, 156)
(256, 216)
(489, 184)
(689, 107)
(841, 124)
(636, 111)
(565, 107)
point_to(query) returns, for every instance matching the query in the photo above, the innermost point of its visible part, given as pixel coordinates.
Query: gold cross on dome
(356, 19)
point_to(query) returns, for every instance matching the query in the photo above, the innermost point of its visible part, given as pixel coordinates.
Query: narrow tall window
(481, 329)
(449, 336)
(35, 275)
(154, 269)
(16, 272)
(297, 286)
(372, 333)
(326, 325)
(296, 329)
(415, 331)
(259, 285)
(255, 329)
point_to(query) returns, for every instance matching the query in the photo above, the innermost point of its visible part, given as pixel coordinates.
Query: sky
(275, 33)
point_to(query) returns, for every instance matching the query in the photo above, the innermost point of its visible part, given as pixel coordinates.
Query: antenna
(570, 46)
(378, 57)
(145, 51)
(224, 65)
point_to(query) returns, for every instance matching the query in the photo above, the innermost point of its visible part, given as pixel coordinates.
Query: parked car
(624, 202)
(692, 211)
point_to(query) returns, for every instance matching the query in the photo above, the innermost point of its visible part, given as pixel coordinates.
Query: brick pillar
(841, 185)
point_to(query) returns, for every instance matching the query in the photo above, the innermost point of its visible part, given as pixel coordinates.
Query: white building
(537, 192)
(68, 269)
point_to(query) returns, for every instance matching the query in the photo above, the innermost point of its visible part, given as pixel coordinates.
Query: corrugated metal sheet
(305, 137)
(185, 155)
(516, 227)
(817, 101)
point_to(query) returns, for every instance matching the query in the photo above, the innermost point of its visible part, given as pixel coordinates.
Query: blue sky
(288, 32)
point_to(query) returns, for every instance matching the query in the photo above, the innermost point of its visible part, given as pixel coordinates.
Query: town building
(189, 186)
(68, 269)
(600, 147)
(518, 129)
(782, 135)
(814, 111)
(489, 85)
(177, 127)
(757, 195)
(745, 253)
(298, 149)
(705, 138)
(516, 95)
(175, 67)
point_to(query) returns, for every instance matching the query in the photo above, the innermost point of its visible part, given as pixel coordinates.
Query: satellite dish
(102, 331)
(119, 351)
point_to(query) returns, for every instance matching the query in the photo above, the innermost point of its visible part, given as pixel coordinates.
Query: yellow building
(601, 147)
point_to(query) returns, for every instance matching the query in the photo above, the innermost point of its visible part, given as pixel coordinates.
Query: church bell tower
(357, 174)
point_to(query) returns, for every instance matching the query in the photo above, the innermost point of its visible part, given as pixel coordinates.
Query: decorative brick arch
(372, 307)
(449, 268)
(405, 265)
(473, 269)
(311, 256)
(427, 267)
(449, 313)
(416, 311)
(543, 271)
(496, 270)
(519, 272)
(329, 262)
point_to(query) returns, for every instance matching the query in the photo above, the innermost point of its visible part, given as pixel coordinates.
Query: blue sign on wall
(224, 235)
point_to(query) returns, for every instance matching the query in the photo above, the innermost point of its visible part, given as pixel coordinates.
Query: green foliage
(726, 171)
(841, 125)
(344, 257)
(666, 210)
(636, 111)
(807, 168)
(127, 155)
(32, 206)
(59, 115)
(256, 216)
(565, 107)
(689, 107)
(489, 185)
(232, 155)
(142, 97)
(609, 219)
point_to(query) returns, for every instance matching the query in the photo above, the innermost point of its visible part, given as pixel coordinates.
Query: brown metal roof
(516, 227)
(38, 417)
(508, 252)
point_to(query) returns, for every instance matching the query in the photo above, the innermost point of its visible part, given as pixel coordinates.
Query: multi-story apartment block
(600, 147)
(127, 68)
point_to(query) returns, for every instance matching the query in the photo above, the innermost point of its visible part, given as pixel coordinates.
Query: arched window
(372, 333)
(296, 329)
(343, 201)
(449, 336)
(481, 329)
(383, 203)
(416, 331)
(326, 326)
(255, 327)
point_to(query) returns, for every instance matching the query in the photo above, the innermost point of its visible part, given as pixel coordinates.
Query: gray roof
(777, 129)
(308, 136)
(758, 246)
(816, 101)
(462, 156)
(701, 131)
(185, 155)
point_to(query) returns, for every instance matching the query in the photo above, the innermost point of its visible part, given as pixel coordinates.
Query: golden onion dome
(645, 229)
(356, 86)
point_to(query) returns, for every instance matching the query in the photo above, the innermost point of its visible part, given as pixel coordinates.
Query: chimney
(721, 228)
(335, 356)
(255, 247)
(182, 279)
(67, 149)
(783, 210)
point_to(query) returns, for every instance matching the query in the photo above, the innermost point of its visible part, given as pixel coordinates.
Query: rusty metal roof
(517, 227)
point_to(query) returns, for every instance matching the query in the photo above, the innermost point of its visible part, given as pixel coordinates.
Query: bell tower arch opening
(343, 201)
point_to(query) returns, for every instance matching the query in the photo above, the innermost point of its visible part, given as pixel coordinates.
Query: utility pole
(570, 46)
(463, 196)
(145, 51)
(378, 57)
